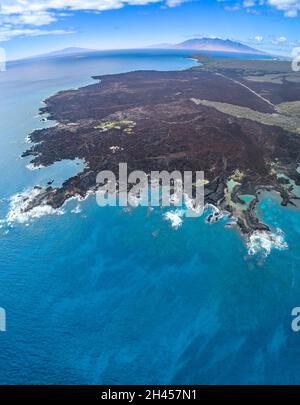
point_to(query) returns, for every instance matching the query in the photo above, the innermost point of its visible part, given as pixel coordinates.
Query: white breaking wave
(175, 217)
(20, 201)
(264, 242)
(193, 209)
(76, 210)
(27, 139)
(189, 209)
(32, 167)
(215, 214)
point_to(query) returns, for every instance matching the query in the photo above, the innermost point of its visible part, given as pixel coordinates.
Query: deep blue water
(104, 296)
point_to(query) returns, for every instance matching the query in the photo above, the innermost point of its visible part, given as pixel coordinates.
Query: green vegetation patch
(122, 125)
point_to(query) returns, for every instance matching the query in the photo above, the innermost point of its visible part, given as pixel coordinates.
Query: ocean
(101, 296)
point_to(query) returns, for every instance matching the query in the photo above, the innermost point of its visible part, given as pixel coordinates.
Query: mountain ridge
(193, 44)
(214, 44)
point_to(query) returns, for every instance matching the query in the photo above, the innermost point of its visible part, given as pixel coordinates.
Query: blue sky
(29, 27)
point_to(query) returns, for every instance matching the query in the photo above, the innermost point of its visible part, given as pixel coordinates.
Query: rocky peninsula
(236, 120)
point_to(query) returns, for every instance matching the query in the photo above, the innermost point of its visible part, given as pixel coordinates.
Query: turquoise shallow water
(104, 296)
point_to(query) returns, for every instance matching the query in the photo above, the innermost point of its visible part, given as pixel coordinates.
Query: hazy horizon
(35, 27)
(58, 51)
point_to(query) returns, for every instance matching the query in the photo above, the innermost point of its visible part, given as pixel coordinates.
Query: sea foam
(175, 217)
(17, 208)
(263, 242)
(33, 167)
(76, 210)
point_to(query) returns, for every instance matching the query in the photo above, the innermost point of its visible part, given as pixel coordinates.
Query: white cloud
(29, 16)
(236, 7)
(22, 7)
(7, 33)
(23, 16)
(175, 3)
(249, 3)
(252, 11)
(289, 7)
(38, 18)
(280, 41)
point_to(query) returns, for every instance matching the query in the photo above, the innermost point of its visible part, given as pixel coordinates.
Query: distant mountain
(196, 44)
(63, 52)
(68, 51)
(214, 44)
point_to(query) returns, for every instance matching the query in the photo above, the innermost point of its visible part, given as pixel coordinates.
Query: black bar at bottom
(133, 394)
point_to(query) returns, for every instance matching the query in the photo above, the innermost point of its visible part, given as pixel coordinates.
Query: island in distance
(194, 44)
(236, 120)
(214, 45)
